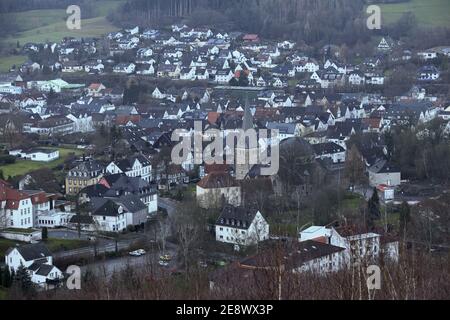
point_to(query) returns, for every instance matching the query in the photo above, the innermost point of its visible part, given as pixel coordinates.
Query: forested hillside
(311, 20)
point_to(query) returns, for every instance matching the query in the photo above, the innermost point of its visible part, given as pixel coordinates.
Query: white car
(137, 253)
(163, 263)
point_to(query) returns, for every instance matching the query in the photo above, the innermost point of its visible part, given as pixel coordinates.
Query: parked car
(163, 263)
(165, 257)
(137, 253)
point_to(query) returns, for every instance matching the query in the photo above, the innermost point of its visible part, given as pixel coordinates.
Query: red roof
(251, 37)
(223, 168)
(217, 180)
(212, 117)
(95, 86)
(11, 196)
(124, 119)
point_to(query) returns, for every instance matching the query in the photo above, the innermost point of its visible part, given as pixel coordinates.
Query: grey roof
(32, 251)
(327, 148)
(44, 269)
(237, 217)
(284, 128)
(88, 166)
(384, 166)
(104, 207)
(131, 203)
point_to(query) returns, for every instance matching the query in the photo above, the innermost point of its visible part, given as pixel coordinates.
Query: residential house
(384, 173)
(241, 226)
(37, 261)
(86, 173)
(218, 188)
(134, 166)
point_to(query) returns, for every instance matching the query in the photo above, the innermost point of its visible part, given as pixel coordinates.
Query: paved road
(108, 267)
(104, 246)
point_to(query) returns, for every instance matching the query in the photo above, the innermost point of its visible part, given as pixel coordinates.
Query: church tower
(242, 170)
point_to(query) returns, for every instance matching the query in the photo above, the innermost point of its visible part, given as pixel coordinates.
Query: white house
(427, 55)
(37, 154)
(82, 122)
(358, 245)
(329, 150)
(136, 166)
(16, 208)
(223, 76)
(217, 187)
(241, 226)
(356, 79)
(37, 261)
(127, 68)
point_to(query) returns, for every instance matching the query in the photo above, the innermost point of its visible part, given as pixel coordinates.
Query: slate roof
(32, 251)
(327, 148)
(217, 180)
(295, 254)
(384, 166)
(237, 217)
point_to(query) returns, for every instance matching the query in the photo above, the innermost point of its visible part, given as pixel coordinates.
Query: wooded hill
(311, 20)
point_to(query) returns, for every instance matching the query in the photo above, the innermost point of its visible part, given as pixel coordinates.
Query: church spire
(247, 122)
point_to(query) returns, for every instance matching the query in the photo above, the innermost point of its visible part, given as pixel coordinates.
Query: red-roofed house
(217, 187)
(251, 37)
(95, 89)
(16, 208)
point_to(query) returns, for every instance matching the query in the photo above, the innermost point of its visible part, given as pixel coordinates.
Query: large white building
(241, 226)
(359, 246)
(37, 154)
(16, 208)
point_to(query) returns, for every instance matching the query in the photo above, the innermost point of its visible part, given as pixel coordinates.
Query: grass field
(22, 167)
(427, 12)
(55, 245)
(7, 62)
(50, 25)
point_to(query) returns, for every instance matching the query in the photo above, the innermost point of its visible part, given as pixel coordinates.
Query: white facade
(257, 231)
(138, 170)
(19, 215)
(112, 223)
(211, 197)
(364, 246)
(53, 219)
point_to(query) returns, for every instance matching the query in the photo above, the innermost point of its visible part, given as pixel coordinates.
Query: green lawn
(50, 25)
(19, 230)
(7, 62)
(55, 245)
(428, 12)
(22, 167)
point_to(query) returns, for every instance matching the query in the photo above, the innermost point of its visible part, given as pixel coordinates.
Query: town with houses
(91, 121)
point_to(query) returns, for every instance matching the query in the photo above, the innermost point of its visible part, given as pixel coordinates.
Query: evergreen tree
(23, 279)
(44, 233)
(373, 207)
(6, 277)
(405, 217)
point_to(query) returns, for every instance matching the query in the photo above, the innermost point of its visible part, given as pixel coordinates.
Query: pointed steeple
(247, 122)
